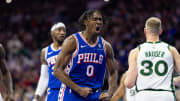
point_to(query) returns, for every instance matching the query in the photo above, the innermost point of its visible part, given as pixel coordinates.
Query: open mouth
(98, 29)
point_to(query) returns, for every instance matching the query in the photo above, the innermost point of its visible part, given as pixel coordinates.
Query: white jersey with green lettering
(155, 67)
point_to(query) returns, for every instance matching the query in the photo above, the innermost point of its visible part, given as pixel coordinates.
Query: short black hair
(87, 14)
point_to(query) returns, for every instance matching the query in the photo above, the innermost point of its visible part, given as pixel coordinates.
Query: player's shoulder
(142, 45)
(71, 38)
(70, 44)
(2, 51)
(173, 49)
(44, 49)
(107, 44)
(134, 52)
(108, 48)
(1, 46)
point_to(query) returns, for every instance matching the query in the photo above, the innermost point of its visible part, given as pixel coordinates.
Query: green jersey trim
(153, 42)
(172, 86)
(139, 47)
(168, 47)
(150, 89)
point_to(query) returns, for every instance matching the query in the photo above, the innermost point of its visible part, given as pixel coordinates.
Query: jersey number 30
(148, 68)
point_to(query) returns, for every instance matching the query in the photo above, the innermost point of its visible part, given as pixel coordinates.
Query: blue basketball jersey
(88, 64)
(51, 56)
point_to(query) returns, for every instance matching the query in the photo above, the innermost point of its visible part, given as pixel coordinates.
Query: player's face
(59, 34)
(95, 23)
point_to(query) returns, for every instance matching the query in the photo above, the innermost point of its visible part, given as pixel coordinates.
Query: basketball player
(88, 54)
(151, 66)
(48, 59)
(7, 80)
(124, 92)
(176, 82)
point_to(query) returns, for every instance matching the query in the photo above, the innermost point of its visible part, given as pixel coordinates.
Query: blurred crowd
(25, 27)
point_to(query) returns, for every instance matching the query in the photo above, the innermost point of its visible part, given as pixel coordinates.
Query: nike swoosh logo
(82, 46)
(50, 53)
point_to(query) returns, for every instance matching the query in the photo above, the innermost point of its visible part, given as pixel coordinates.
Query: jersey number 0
(90, 71)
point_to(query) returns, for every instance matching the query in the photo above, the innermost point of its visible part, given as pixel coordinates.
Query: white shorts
(1, 99)
(154, 96)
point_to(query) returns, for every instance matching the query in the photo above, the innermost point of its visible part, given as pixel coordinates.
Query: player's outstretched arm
(120, 92)
(63, 59)
(111, 65)
(7, 80)
(44, 77)
(176, 57)
(132, 71)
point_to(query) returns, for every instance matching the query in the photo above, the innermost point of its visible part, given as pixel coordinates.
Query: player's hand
(85, 91)
(36, 98)
(104, 96)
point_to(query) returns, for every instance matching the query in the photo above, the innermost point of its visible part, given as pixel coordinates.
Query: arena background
(25, 27)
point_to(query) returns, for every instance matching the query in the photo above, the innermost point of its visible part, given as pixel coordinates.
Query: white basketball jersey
(130, 94)
(155, 67)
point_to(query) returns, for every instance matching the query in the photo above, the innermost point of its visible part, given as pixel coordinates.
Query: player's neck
(152, 39)
(90, 37)
(56, 45)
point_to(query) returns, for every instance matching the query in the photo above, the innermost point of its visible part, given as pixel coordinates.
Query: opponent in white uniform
(151, 66)
(176, 82)
(124, 92)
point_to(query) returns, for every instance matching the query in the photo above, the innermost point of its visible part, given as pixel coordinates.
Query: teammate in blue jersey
(48, 59)
(6, 77)
(83, 60)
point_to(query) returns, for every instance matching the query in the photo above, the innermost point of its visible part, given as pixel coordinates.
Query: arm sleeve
(43, 81)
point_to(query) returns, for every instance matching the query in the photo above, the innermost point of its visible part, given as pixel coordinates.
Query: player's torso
(87, 67)
(155, 67)
(51, 55)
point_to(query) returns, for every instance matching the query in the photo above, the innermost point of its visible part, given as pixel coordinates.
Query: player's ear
(144, 30)
(86, 22)
(160, 32)
(51, 33)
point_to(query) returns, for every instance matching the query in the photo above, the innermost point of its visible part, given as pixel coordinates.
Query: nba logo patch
(99, 45)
